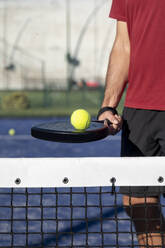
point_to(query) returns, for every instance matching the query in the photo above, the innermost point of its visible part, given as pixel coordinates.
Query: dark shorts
(143, 134)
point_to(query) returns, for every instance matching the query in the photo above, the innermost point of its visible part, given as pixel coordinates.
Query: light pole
(11, 66)
(5, 46)
(73, 60)
(68, 38)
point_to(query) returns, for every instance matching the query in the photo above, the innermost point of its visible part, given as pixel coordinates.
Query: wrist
(105, 109)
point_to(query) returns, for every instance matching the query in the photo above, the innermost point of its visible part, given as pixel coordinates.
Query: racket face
(64, 132)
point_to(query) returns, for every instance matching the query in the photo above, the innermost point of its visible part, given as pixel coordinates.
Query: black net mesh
(78, 217)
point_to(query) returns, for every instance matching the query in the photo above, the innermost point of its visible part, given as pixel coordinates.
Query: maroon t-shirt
(146, 26)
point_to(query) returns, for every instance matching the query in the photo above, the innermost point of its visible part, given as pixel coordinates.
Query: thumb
(107, 122)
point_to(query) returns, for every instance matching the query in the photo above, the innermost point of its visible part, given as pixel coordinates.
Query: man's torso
(146, 27)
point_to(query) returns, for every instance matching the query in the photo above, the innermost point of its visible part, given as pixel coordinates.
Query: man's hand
(116, 121)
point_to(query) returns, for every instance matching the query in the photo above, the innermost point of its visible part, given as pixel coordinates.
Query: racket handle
(108, 122)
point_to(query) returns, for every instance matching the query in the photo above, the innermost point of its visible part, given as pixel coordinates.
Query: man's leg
(148, 220)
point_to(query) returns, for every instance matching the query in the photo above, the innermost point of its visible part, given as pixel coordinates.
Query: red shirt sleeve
(118, 10)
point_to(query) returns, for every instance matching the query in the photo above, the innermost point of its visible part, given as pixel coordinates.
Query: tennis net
(76, 202)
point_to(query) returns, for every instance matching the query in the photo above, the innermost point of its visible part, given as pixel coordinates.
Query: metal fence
(54, 43)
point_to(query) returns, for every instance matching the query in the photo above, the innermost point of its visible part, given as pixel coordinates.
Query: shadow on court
(79, 229)
(23, 145)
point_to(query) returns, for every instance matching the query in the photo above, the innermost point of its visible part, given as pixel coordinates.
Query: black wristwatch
(104, 109)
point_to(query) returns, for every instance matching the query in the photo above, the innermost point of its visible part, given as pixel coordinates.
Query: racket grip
(108, 122)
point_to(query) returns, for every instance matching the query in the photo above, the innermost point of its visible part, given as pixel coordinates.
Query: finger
(112, 131)
(115, 127)
(114, 119)
(118, 117)
(107, 122)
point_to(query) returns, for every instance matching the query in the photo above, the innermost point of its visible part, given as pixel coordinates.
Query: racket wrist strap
(104, 109)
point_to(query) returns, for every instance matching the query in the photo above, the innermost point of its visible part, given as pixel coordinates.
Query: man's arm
(117, 74)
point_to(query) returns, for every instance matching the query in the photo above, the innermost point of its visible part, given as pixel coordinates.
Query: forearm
(117, 76)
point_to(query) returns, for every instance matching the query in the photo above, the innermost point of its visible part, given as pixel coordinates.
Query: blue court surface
(23, 145)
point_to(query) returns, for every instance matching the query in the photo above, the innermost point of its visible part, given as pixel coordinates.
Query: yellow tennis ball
(11, 132)
(80, 119)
